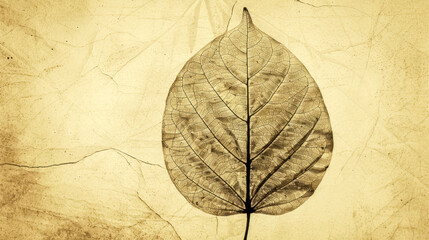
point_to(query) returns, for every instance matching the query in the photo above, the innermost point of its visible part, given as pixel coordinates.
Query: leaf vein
(293, 179)
(205, 75)
(201, 159)
(202, 119)
(281, 130)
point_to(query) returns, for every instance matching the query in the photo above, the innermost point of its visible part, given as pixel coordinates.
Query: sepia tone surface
(82, 93)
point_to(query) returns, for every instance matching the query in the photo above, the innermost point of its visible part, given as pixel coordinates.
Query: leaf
(245, 128)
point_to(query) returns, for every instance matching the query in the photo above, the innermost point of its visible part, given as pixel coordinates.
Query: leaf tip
(246, 16)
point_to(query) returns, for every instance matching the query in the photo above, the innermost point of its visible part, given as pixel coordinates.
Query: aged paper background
(83, 87)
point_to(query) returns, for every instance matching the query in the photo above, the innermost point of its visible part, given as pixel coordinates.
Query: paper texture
(82, 94)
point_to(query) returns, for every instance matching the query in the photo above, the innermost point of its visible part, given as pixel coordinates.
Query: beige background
(82, 91)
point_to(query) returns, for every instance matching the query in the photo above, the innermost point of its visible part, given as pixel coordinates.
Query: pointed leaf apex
(246, 16)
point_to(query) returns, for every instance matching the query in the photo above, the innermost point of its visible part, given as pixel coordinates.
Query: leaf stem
(247, 225)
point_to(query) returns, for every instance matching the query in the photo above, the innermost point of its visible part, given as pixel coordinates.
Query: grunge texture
(83, 86)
